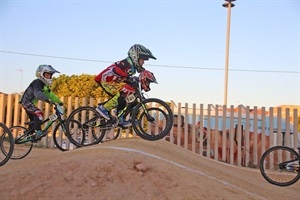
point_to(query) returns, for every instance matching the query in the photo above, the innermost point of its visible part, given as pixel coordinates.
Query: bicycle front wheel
(23, 145)
(152, 119)
(89, 123)
(279, 165)
(6, 143)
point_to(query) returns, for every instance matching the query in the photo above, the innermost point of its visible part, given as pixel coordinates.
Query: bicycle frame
(52, 118)
(131, 101)
(134, 99)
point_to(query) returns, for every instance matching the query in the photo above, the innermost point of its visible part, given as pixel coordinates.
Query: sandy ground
(133, 169)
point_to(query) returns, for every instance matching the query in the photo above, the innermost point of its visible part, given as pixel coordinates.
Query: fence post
(287, 127)
(263, 131)
(179, 122)
(9, 112)
(279, 127)
(2, 107)
(239, 136)
(231, 136)
(224, 134)
(194, 128)
(208, 135)
(247, 138)
(201, 134)
(271, 125)
(16, 117)
(255, 158)
(296, 140)
(186, 125)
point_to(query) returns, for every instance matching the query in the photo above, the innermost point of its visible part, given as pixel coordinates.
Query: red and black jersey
(117, 72)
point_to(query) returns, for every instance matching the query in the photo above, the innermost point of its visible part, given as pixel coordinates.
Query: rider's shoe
(136, 122)
(124, 123)
(103, 112)
(39, 134)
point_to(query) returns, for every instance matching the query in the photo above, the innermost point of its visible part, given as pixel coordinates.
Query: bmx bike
(280, 165)
(151, 118)
(25, 137)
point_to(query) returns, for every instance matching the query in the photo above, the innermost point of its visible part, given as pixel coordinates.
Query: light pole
(21, 71)
(228, 5)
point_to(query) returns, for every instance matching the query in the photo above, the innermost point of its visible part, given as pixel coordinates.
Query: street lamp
(228, 5)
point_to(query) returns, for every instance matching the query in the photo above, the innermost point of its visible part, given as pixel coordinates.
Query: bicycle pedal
(39, 137)
(36, 140)
(29, 139)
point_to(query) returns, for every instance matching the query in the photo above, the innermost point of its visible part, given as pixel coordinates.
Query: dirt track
(133, 169)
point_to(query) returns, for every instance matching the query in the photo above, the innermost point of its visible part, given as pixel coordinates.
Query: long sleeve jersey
(117, 72)
(37, 90)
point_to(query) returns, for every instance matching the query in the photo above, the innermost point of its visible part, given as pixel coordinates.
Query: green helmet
(137, 52)
(45, 69)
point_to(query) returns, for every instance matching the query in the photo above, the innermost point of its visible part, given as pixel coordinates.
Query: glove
(132, 80)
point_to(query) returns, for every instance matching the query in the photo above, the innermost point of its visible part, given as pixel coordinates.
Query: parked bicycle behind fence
(280, 165)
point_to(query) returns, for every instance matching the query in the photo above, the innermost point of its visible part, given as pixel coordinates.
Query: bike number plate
(130, 98)
(53, 117)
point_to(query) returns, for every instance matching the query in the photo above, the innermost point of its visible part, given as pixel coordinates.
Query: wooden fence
(237, 136)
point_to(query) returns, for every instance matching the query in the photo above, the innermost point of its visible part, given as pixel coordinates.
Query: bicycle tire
(274, 168)
(160, 112)
(7, 144)
(21, 150)
(90, 120)
(61, 140)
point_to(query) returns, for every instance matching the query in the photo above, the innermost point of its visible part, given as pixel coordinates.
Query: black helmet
(137, 52)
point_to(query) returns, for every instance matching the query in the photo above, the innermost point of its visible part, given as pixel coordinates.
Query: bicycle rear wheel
(279, 165)
(152, 119)
(23, 145)
(61, 140)
(6, 143)
(90, 122)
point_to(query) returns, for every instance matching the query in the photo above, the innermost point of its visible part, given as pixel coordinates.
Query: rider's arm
(37, 87)
(123, 69)
(118, 71)
(51, 96)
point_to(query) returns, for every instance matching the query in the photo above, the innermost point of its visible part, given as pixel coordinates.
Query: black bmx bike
(151, 118)
(280, 165)
(6, 144)
(25, 137)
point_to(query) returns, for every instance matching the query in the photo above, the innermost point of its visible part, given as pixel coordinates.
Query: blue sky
(187, 37)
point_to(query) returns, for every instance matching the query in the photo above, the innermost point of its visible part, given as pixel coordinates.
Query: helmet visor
(144, 57)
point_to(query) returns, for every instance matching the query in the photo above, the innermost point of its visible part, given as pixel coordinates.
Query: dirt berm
(133, 169)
